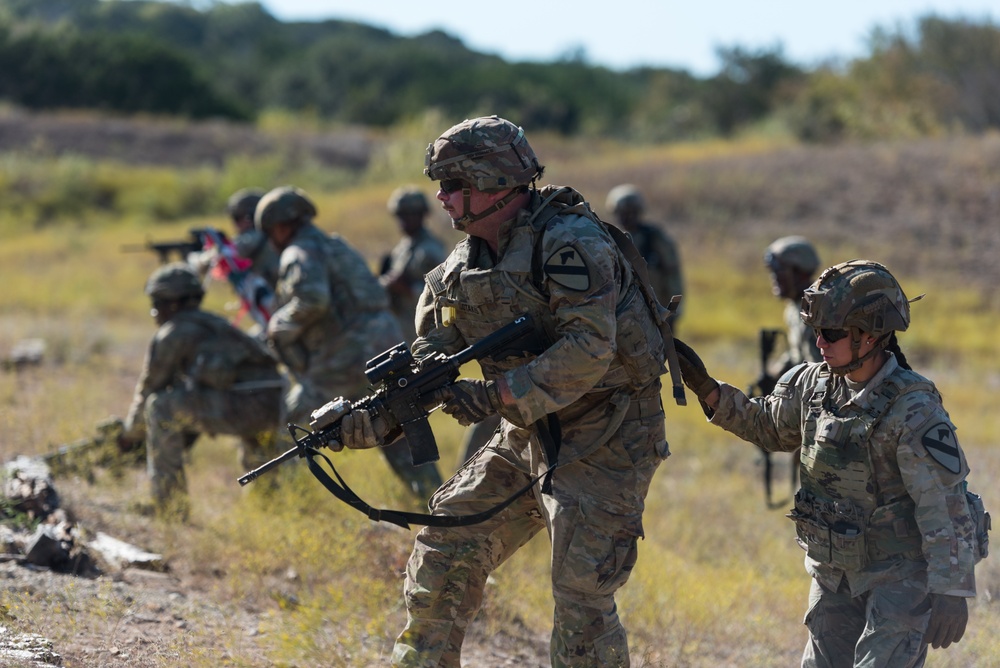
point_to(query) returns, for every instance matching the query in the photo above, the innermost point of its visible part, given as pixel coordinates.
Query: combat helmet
(490, 153)
(407, 200)
(243, 202)
(176, 281)
(626, 198)
(794, 252)
(857, 296)
(283, 205)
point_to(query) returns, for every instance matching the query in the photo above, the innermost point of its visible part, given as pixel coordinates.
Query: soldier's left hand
(949, 615)
(470, 401)
(359, 431)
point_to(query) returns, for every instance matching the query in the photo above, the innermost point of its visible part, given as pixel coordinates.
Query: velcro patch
(567, 268)
(941, 444)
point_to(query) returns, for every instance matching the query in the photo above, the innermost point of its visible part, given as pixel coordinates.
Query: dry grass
(719, 582)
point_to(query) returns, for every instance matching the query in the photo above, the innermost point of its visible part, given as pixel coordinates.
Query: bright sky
(626, 33)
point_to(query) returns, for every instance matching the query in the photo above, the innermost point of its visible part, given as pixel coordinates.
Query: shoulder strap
(404, 518)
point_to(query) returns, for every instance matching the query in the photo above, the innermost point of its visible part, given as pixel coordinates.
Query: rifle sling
(404, 518)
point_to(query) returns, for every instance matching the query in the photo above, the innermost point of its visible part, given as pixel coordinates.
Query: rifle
(402, 394)
(761, 387)
(255, 295)
(164, 249)
(99, 450)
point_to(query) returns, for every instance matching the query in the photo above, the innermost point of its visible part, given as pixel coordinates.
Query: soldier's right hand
(359, 431)
(693, 371)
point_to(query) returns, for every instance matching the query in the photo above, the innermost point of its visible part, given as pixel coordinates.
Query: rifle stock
(402, 396)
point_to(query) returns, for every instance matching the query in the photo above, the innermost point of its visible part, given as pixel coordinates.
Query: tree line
(235, 61)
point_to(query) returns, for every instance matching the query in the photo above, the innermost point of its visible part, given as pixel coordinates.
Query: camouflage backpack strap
(563, 199)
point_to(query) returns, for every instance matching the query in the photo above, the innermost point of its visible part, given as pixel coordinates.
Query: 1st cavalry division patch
(942, 445)
(568, 269)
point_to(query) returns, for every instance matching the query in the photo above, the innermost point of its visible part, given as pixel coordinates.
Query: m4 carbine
(403, 394)
(763, 386)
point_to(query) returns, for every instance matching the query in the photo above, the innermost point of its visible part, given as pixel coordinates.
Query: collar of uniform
(506, 230)
(861, 392)
(457, 260)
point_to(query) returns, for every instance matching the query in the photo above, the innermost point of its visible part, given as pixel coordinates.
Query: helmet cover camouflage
(793, 252)
(858, 293)
(243, 202)
(489, 153)
(407, 200)
(626, 197)
(283, 205)
(174, 282)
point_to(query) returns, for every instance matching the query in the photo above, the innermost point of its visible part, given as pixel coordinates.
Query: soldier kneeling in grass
(201, 375)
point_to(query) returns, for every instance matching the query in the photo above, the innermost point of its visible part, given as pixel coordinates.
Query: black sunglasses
(831, 335)
(449, 186)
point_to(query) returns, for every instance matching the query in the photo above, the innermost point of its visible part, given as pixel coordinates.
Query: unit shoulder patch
(942, 445)
(567, 268)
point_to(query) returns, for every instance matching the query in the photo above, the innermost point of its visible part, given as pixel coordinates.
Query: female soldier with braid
(882, 511)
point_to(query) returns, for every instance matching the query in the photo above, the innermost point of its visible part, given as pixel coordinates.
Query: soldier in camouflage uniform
(654, 244)
(417, 253)
(792, 262)
(589, 390)
(889, 531)
(201, 375)
(332, 316)
(250, 242)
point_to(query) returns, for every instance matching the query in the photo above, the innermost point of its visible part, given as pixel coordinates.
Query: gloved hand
(469, 401)
(329, 413)
(359, 431)
(949, 615)
(693, 371)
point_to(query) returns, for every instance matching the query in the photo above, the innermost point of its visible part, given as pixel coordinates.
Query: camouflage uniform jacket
(328, 307)
(660, 253)
(597, 343)
(411, 259)
(200, 349)
(914, 466)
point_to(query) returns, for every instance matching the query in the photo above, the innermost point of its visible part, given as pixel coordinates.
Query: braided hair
(893, 347)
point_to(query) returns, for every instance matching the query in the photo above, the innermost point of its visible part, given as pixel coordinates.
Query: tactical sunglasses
(449, 186)
(831, 335)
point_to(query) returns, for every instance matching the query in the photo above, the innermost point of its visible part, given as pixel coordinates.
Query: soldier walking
(585, 398)
(890, 533)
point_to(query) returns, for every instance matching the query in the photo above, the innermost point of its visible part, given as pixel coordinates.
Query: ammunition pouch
(837, 532)
(831, 532)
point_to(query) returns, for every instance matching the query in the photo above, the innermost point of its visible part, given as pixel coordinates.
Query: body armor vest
(483, 300)
(843, 515)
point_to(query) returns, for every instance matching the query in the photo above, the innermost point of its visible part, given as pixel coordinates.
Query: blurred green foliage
(237, 61)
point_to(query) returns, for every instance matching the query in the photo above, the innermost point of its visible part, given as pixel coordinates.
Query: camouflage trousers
(176, 416)
(593, 518)
(882, 628)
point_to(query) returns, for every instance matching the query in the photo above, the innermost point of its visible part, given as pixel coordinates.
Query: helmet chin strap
(468, 217)
(856, 362)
